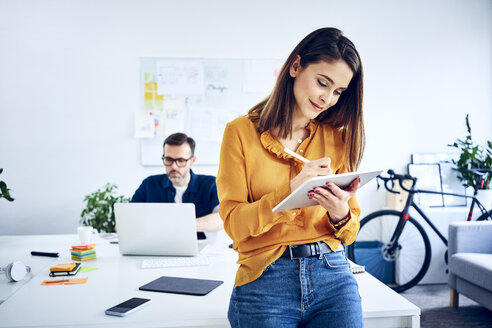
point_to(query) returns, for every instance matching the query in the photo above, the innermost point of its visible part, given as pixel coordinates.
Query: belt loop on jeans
(320, 254)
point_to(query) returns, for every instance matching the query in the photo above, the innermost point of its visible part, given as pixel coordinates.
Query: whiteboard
(197, 96)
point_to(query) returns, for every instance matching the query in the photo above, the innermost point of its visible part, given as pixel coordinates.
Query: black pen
(44, 254)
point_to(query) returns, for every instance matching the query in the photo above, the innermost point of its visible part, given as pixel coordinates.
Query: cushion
(473, 267)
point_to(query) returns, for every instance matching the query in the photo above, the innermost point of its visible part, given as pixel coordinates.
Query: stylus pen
(44, 254)
(296, 155)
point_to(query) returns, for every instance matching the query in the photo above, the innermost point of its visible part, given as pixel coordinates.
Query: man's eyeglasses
(180, 162)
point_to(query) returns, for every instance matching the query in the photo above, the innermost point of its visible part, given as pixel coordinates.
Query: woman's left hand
(334, 199)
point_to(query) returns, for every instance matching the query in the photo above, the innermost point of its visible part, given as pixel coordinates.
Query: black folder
(177, 285)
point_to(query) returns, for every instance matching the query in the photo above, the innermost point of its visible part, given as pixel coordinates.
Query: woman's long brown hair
(325, 44)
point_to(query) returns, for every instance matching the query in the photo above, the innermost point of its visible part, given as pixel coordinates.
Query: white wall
(69, 84)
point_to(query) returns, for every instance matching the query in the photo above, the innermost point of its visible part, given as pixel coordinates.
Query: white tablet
(299, 197)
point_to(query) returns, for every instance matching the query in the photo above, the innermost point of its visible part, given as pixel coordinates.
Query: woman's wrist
(340, 222)
(339, 214)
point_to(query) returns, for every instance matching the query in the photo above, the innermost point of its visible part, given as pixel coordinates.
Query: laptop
(156, 229)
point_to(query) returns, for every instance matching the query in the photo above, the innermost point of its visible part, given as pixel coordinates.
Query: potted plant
(99, 210)
(475, 156)
(4, 191)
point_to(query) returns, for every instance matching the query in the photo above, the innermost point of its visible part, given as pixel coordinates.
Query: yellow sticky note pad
(150, 86)
(149, 96)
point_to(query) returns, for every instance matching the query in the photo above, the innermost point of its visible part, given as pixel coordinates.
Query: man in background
(181, 185)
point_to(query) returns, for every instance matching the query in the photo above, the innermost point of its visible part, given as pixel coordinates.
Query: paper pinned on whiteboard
(180, 77)
(144, 125)
(174, 115)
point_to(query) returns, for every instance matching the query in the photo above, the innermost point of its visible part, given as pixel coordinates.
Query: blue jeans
(315, 291)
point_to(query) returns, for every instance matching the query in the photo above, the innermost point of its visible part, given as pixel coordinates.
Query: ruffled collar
(274, 146)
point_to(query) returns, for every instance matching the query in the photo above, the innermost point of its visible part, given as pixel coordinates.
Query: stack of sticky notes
(83, 252)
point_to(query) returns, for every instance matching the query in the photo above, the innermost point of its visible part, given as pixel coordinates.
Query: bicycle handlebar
(483, 173)
(400, 176)
(394, 176)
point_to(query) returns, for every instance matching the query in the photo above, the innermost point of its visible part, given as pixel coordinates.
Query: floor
(433, 300)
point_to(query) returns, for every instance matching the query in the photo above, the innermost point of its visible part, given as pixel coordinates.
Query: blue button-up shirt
(201, 191)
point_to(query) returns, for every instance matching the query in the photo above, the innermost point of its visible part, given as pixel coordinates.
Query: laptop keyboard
(172, 262)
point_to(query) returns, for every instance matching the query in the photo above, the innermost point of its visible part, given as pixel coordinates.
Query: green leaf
(471, 156)
(99, 211)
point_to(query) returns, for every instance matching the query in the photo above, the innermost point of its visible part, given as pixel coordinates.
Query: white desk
(27, 304)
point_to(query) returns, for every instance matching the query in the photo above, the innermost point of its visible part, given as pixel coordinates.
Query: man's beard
(177, 178)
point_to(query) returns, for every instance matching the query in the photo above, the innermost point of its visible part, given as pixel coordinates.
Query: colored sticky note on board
(148, 77)
(150, 87)
(149, 96)
(149, 104)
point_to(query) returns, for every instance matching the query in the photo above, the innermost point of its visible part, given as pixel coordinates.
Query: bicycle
(393, 246)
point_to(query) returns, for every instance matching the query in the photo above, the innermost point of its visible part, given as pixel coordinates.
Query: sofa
(470, 262)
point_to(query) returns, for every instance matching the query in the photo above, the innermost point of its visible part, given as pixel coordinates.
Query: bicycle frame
(418, 237)
(410, 203)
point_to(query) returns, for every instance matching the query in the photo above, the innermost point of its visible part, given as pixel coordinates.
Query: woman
(293, 270)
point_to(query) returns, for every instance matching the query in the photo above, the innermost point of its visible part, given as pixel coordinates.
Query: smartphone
(127, 307)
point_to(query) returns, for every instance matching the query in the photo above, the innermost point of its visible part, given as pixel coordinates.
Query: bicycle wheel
(485, 216)
(400, 269)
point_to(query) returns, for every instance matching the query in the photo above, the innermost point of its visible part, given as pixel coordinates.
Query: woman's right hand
(312, 169)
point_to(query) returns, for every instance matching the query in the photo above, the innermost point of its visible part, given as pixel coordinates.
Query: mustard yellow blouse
(254, 176)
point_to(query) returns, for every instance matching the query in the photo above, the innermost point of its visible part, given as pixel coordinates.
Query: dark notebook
(181, 285)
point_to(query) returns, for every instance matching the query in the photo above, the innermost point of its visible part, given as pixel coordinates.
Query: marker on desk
(44, 254)
(296, 155)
